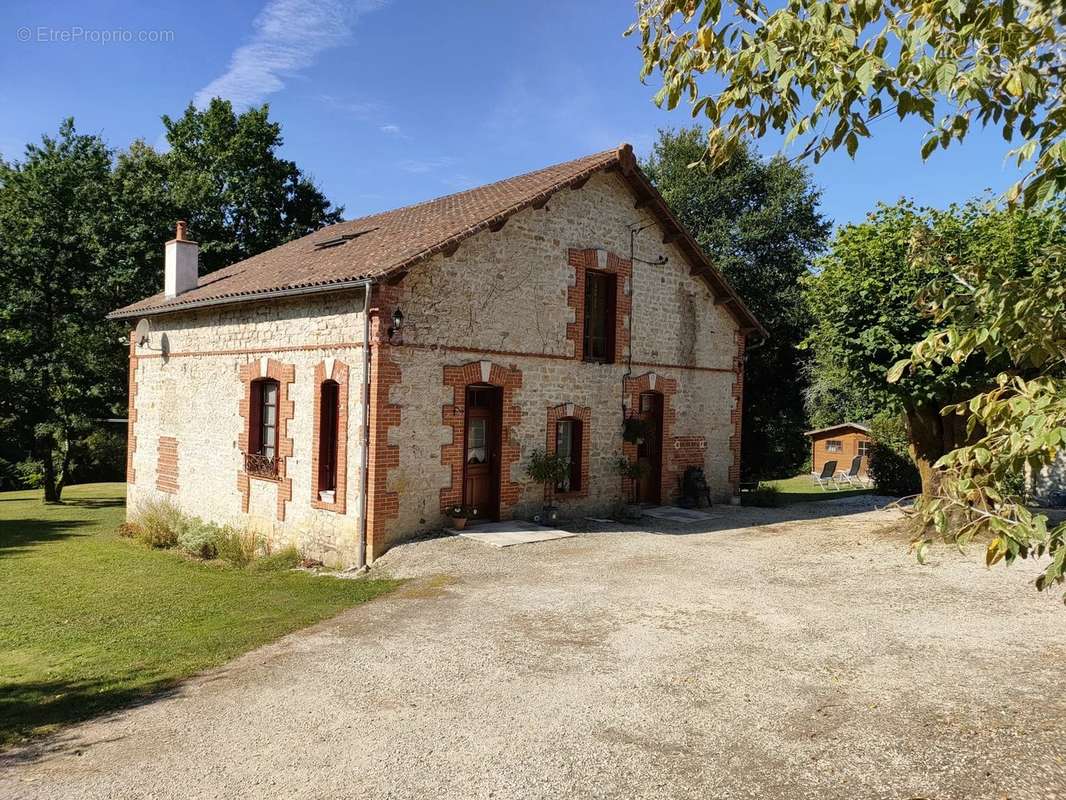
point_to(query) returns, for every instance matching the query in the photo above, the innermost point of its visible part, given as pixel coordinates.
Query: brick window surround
(584, 415)
(667, 387)
(284, 374)
(509, 380)
(622, 268)
(166, 473)
(337, 371)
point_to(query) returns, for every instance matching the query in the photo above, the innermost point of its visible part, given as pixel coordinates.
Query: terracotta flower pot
(459, 523)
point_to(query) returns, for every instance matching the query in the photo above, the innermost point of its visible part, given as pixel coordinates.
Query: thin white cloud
(361, 109)
(420, 166)
(288, 35)
(390, 128)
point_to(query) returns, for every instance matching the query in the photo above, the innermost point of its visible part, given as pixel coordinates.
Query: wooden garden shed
(840, 443)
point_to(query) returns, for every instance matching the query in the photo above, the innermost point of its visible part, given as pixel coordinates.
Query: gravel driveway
(763, 654)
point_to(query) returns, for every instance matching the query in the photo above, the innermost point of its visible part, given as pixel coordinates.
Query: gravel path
(763, 654)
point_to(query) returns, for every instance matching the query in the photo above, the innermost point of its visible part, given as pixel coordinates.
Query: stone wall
(188, 401)
(497, 310)
(501, 305)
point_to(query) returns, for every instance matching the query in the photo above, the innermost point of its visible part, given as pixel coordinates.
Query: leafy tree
(224, 176)
(81, 233)
(891, 466)
(863, 300)
(823, 73)
(759, 222)
(996, 309)
(56, 353)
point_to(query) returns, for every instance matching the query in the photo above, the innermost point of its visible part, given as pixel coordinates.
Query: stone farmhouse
(342, 391)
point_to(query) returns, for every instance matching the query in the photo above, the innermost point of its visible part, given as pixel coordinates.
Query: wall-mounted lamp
(397, 325)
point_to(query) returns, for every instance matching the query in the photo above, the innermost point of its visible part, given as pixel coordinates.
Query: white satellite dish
(143, 332)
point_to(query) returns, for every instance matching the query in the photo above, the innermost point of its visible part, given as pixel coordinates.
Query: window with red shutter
(329, 409)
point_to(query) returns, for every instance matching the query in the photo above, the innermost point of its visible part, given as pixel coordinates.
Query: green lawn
(91, 621)
(803, 489)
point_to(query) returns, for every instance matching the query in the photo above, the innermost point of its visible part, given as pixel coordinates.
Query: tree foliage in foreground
(824, 73)
(863, 300)
(82, 233)
(987, 308)
(759, 221)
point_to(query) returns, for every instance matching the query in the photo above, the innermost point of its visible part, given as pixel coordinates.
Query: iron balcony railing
(260, 466)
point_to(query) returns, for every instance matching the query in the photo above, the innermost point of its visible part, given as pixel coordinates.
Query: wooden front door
(481, 470)
(650, 449)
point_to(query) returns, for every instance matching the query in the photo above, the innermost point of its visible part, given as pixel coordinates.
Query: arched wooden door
(650, 449)
(481, 465)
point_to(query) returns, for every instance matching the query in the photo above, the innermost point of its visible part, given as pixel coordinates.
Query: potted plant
(635, 429)
(460, 515)
(633, 471)
(550, 470)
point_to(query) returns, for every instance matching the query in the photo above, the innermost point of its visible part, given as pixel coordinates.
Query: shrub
(891, 467)
(549, 470)
(129, 530)
(238, 547)
(633, 470)
(30, 473)
(200, 538)
(158, 523)
(765, 495)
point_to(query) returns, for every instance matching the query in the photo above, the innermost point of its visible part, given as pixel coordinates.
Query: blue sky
(388, 102)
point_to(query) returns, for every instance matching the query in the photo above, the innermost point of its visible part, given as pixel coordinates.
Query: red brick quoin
(339, 373)
(737, 413)
(509, 379)
(284, 374)
(583, 413)
(382, 505)
(131, 414)
(582, 260)
(667, 387)
(166, 471)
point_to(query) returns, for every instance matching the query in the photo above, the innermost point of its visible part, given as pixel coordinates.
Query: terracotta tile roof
(391, 242)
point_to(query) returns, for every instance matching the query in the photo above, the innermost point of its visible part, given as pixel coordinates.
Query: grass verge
(93, 622)
(800, 489)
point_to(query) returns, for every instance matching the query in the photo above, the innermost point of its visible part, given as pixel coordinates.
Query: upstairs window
(568, 445)
(329, 411)
(864, 448)
(834, 446)
(263, 429)
(599, 317)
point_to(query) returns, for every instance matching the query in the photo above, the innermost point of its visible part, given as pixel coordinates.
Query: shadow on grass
(30, 711)
(103, 502)
(17, 535)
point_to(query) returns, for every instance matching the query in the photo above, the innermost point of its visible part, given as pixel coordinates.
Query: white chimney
(181, 264)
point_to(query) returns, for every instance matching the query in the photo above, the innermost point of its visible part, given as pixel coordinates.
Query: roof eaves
(233, 298)
(838, 426)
